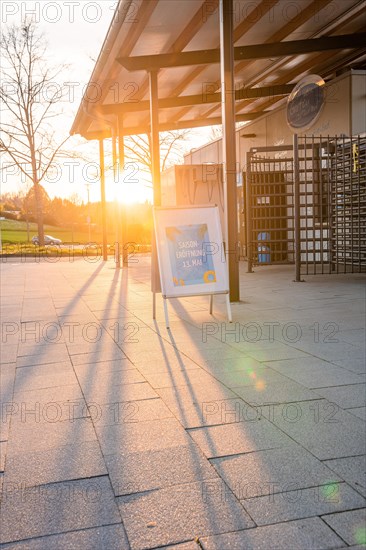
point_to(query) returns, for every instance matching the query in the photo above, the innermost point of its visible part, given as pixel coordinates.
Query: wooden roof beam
(169, 126)
(256, 51)
(206, 97)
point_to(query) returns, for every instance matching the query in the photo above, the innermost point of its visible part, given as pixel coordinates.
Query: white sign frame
(195, 265)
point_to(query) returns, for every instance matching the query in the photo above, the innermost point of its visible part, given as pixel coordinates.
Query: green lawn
(13, 231)
(14, 240)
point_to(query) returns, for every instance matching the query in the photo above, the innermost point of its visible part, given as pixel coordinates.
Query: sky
(75, 31)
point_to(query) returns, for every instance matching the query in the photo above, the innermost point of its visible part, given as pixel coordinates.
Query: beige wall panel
(359, 103)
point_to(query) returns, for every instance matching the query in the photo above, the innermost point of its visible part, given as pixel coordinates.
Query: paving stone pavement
(117, 434)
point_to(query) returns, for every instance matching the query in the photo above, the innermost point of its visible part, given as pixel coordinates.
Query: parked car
(47, 240)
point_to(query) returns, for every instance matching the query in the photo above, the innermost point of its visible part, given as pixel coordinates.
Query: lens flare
(330, 491)
(360, 536)
(260, 385)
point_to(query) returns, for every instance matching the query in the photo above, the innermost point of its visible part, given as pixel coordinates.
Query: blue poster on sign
(189, 262)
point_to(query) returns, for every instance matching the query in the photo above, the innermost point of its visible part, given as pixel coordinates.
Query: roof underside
(189, 95)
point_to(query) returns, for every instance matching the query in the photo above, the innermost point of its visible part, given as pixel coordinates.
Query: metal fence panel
(331, 176)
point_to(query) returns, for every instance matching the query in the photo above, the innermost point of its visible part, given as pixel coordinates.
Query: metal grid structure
(332, 173)
(331, 214)
(269, 216)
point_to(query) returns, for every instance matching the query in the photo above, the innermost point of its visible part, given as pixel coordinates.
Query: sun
(132, 190)
(133, 194)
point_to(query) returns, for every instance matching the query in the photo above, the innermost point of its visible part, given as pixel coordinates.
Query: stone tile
(297, 535)
(241, 437)
(303, 503)
(9, 353)
(164, 365)
(360, 412)
(109, 393)
(7, 369)
(321, 427)
(5, 416)
(104, 367)
(192, 346)
(315, 373)
(6, 388)
(278, 392)
(43, 339)
(276, 353)
(35, 315)
(133, 350)
(57, 508)
(32, 354)
(353, 336)
(176, 378)
(330, 351)
(42, 359)
(250, 377)
(191, 545)
(108, 537)
(272, 471)
(151, 470)
(357, 365)
(75, 461)
(44, 370)
(218, 356)
(357, 547)
(99, 356)
(25, 381)
(45, 435)
(74, 323)
(91, 379)
(122, 325)
(352, 470)
(109, 313)
(130, 412)
(345, 396)
(142, 436)
(349, 525)
(151, 520)
(163, 350)
(198, 406)
(3, 445)
(52, 394)
(107, 346)
(233, 364)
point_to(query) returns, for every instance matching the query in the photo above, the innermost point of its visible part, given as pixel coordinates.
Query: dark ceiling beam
(206, 97)
(253, 17)
(169, 126)
(206, 10)
(257, 51)
(278, 36)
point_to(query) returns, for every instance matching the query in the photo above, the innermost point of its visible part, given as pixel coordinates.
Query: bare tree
(29, 93)
(173, 145)
(215, 133)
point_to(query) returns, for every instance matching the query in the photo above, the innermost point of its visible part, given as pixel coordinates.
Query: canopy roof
(276, 43)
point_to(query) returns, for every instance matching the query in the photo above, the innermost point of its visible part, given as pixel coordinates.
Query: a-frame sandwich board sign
(191, 255)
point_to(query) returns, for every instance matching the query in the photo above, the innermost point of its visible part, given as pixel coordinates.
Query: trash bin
(264, 250)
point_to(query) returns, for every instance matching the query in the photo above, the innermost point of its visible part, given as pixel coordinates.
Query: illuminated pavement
(116, 433)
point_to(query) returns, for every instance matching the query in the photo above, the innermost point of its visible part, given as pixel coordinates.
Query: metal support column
(229, 140)
(103, 202)
(123, 209)
(155, 161)
(297, 209)
(117, 254)
(155, 143)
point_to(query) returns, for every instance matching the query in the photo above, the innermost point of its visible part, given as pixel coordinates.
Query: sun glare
(132, 193)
